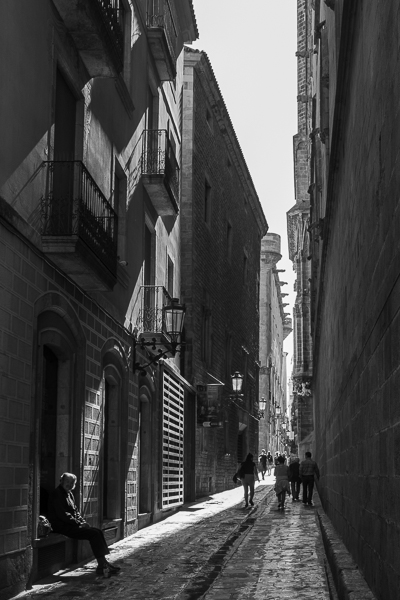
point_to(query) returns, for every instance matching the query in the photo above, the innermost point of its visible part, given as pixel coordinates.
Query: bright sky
(251, 46)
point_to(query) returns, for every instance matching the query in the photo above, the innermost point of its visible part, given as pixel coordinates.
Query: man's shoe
(310, 504)
(113, 568)
(251, 502)
(104, 571)
(246, 505)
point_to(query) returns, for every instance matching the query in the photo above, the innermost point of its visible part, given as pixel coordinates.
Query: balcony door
(64, 154)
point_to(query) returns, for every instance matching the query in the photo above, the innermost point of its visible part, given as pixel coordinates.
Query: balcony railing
(159, 162)
(163, 35)
(97, 28)
(149, 309)
(75, 206)
(110, 18)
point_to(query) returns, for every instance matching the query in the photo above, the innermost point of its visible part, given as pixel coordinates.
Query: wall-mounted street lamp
(237, 382)
(261, 405)
(172, 325)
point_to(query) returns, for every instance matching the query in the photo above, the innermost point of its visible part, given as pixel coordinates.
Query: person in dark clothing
(294, 478)
(282, 482)
(263, 462)
(308, 469)
(248, 473)
(270, 462)
(66, 519)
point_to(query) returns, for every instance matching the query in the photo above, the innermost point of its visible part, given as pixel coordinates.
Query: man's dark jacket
(64, 515)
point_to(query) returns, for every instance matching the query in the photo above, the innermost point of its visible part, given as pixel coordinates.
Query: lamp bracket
(172, 349)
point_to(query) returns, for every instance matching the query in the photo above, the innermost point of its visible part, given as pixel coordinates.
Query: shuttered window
(173, 396)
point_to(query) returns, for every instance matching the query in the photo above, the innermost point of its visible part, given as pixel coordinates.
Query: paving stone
(213, 549)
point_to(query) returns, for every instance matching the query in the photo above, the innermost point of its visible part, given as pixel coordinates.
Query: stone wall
(219, 278)
(357, 326)
(28, 281)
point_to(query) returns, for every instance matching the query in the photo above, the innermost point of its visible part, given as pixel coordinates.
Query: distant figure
(308, 469)
(66, 519)
(282, 482)
(270, 462)
(276, 462)
(263, 462)
(248, 474)
(294, 477)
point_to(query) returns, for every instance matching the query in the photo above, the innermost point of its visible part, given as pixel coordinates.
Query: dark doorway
(111, 491)
(48, 427)
(145, 458)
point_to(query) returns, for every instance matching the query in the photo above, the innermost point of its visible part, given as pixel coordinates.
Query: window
(206, 332)
(209, 120)
(229, 238)
(207, 203)
(149, 254)
(170, 277)
(245, 267)
(118, 202)
(228, 355)
(245, 363)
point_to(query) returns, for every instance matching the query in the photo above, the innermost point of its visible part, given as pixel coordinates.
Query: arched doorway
(58, 394)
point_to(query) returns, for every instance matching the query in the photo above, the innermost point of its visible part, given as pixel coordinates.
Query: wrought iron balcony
(160, 171)
(162, 35)
(96, 27)
(149, 316)
(79, 225)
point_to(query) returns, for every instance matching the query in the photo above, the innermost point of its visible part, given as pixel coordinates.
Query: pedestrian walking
(248, 474)
(65, 518)
(270, 462)
(263, 462)
(294, 477)
(308, 470)
(276, 458)
(282, 482)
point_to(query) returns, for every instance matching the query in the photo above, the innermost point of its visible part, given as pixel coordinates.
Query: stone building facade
(89, 257)
(222, 224)
(275, 326)
(355, 211)
(298, 222)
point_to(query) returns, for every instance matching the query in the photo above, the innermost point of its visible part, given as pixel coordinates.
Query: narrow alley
(216, 549)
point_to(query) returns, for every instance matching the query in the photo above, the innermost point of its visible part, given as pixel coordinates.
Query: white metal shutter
(172, 473)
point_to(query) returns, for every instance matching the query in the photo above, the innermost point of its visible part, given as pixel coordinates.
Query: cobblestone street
(213, 549)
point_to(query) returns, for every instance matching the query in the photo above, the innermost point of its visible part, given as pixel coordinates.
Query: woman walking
(270, 462)
(282, 482)
(248, 474)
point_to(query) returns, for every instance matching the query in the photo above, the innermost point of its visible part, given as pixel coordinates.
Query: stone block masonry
(26, 279)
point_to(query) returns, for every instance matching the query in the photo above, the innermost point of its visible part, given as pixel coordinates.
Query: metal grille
(75, 205)
(173, 403)
(158, 158)
(159, 15)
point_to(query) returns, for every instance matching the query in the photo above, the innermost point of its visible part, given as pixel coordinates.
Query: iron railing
(158, 158)
(75, 205)
(110, 19)
(159, 15)
(149, 309)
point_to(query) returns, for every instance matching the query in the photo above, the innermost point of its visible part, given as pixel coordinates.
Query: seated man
(66, 519)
